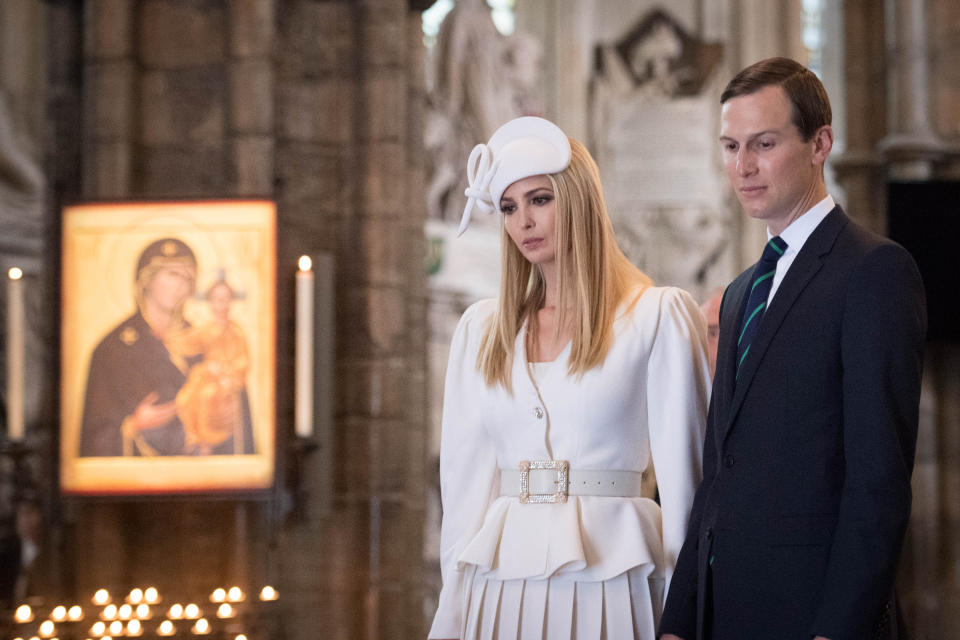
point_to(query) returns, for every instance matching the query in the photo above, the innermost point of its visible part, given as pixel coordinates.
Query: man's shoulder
(857, 242)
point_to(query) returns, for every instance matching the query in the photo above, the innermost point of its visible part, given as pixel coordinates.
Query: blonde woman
(558, 396)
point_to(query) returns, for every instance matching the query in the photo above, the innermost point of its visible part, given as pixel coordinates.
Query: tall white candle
(303, 389)
(15, 355)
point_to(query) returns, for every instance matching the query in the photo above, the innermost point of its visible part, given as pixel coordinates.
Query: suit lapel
(807, 263)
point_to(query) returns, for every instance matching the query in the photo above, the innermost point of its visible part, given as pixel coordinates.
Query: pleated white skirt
(624, 607)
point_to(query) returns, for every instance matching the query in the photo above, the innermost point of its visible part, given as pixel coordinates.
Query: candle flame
(101, 597)
(75, 613)
(23, 613)
(16, 273)
(59, 613)
(268, 593)
(166, 628)
(47, 628)
(235, 594)
(151, 595)
(201, 627)
(304, 263)
(219, 595)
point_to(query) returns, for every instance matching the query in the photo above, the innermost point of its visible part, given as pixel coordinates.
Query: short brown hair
(811, 106)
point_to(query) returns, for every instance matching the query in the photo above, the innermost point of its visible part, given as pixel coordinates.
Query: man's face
(776, 175)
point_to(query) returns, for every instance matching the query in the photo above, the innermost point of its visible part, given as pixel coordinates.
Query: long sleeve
(678, 383)
(468, 468)
(884, 324)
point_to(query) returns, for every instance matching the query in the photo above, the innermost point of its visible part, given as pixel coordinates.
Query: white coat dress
(593, 567)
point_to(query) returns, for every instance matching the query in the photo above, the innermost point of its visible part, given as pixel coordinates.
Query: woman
(129, 407)
(557, 397)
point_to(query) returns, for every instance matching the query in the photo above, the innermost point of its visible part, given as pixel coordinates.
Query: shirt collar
(800, 229)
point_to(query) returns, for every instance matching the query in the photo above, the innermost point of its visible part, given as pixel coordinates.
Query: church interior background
(355, 119)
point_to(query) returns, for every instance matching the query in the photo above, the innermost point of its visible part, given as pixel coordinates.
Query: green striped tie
(763, 274)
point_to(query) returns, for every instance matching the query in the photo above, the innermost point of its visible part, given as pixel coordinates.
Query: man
(796, 529)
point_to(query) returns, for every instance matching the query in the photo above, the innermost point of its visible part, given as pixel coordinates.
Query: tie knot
(773, 250)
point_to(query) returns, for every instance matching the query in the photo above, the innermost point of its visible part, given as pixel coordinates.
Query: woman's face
(169, 287)
(529, 209)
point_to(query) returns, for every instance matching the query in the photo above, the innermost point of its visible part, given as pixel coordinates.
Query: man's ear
(822, 142)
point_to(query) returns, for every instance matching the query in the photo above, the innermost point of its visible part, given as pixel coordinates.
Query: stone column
(910, 146)
(109, 80)
(858, 169)
(250, 104)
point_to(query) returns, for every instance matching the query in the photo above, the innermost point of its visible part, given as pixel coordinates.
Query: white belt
(540, 481)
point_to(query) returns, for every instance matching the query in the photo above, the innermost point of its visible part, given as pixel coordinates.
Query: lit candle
(75, 613)
(59, 613)
(101, 597)
(166, 628)
(201, 627)
(191, 611)
(268, 594)
(235, 594)
(116, 627)
(98, 629)
(15, 354)
(224, 611)
(303, 394)
(23, 613)
(176, 611)
(47, 628)
(219, 595)
(151, 595)
(134, 628)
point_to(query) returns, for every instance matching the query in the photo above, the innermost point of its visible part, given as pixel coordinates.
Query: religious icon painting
(167, 347)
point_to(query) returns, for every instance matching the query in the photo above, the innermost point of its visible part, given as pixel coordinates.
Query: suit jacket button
(728, 461)
(709, 533)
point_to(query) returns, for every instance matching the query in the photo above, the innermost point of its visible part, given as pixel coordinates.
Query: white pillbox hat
(521, 148)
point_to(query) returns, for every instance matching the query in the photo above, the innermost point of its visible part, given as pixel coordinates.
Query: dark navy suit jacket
(806, 492)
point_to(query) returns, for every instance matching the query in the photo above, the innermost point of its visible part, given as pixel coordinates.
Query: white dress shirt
(647, 401)
(795, 235)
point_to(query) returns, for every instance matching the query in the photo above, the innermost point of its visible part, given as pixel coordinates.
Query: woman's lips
(532, 243)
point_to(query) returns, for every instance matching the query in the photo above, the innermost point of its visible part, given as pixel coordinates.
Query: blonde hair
(593, 277)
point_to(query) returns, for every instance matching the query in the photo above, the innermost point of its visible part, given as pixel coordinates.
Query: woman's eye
(542, 199)
(508, 208)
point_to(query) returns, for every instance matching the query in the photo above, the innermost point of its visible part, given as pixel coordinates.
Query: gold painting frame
(168, 357)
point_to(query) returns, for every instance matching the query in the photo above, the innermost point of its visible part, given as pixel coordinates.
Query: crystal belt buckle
(562, 467)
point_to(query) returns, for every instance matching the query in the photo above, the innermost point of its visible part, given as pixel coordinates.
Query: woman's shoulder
(474, 320)
(658, 308)
(478, 313)
(660, 299)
